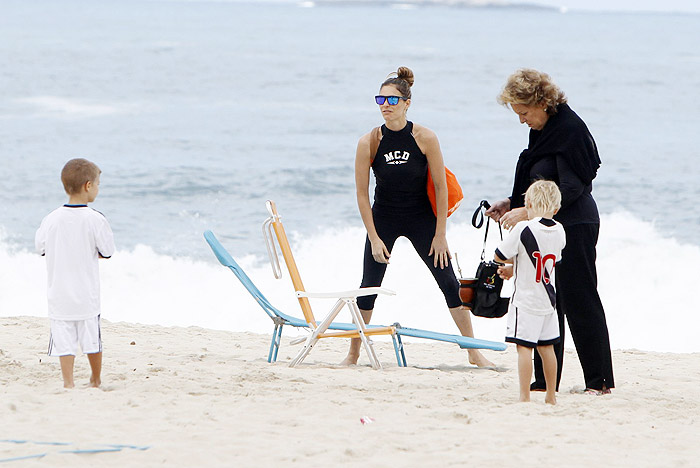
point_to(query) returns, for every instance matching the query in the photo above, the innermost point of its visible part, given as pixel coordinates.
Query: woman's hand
(379, 251)
(442, 253)
(513, 217)
(498, 209)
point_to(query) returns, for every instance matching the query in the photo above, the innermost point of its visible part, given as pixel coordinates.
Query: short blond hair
(76, 173)
(543, 196)
(530, 87)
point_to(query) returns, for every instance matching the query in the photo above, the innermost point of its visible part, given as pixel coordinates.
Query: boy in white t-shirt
(532, 249)
(72, 238)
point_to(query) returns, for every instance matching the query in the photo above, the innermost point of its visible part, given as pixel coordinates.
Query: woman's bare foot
(350, 360)
(353, 352)
(478, 359)
(550, 401)
(525, 398)
(68, 385)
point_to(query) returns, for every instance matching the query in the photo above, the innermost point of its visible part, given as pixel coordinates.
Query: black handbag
(482, 294)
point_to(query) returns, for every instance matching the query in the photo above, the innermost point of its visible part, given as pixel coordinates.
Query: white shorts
(531, 330)
(67, 335)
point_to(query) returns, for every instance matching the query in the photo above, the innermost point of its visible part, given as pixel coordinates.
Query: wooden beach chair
(279, 318)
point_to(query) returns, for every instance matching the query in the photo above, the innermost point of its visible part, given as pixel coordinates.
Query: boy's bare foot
(68, 385)
(95, 382)
(478, 359)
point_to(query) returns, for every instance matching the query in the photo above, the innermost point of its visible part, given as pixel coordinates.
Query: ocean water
(197, 112)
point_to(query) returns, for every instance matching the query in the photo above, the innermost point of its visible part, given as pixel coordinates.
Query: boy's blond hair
(76, 173)
(543, 196)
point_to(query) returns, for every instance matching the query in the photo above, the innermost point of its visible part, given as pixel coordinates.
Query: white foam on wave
(646, 284)
(60, 106)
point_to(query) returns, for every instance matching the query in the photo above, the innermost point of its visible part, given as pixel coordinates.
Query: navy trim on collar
(75, 206)
(547, 222)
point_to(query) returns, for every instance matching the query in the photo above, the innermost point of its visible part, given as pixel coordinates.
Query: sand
(197, 397)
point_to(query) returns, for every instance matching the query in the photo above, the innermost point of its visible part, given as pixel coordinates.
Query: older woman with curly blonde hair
(561, 149)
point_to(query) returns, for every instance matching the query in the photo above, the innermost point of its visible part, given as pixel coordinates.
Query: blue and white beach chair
(280, 319)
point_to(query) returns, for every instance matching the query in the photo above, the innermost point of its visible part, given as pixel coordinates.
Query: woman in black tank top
(400, 154)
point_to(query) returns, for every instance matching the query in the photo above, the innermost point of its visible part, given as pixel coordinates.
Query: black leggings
(419, 228)
(578, 301)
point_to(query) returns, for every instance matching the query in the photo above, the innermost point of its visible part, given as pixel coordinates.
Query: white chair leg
(310, 342)
(313, 338)
(360, 323)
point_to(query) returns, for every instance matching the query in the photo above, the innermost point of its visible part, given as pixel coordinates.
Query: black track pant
(578, 300)
(419, 229)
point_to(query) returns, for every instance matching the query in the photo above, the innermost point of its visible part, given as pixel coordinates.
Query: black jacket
(563, 151)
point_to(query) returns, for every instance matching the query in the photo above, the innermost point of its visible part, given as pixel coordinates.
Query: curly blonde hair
(529, 87)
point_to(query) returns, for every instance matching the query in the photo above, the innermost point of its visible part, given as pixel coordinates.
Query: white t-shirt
(72, 237)
(535, 247)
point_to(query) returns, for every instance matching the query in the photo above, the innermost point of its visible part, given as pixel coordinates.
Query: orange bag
(454, 191)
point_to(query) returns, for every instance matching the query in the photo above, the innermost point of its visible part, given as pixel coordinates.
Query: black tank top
(401, 170)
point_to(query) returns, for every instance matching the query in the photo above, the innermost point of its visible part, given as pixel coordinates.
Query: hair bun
(405, 74)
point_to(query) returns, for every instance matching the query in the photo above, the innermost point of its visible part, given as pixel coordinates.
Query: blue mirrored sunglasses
(391, 100)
